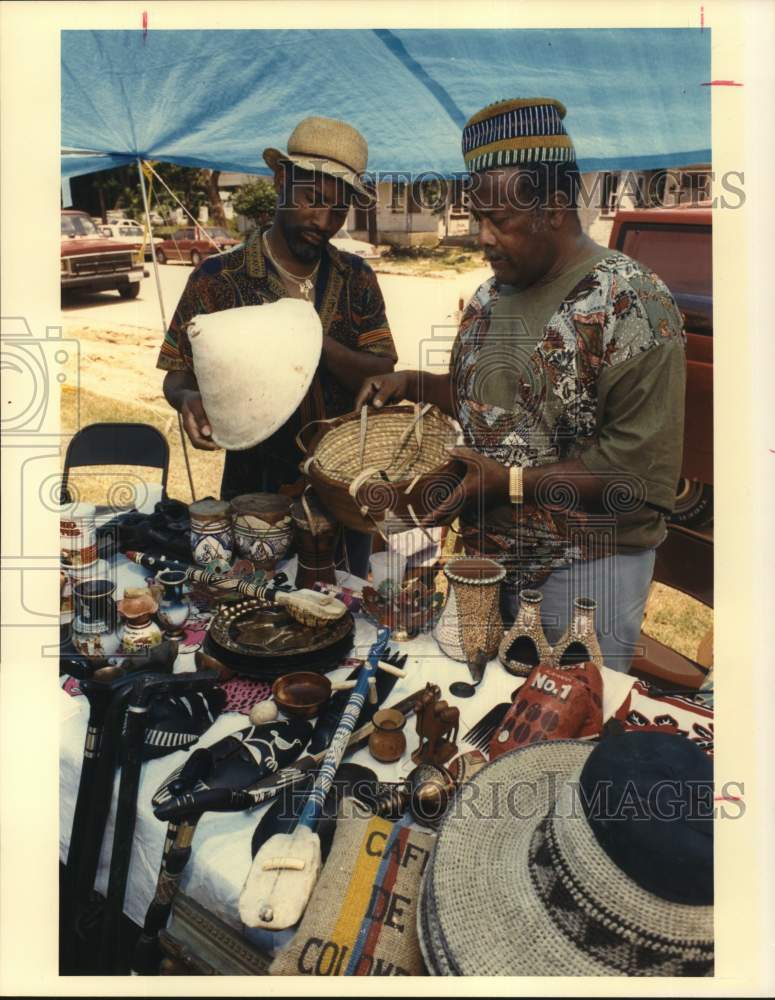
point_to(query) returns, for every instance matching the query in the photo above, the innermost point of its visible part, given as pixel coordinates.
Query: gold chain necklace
(306, 285)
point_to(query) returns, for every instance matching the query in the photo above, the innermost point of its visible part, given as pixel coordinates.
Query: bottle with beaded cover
(525, 645)
(579, 644)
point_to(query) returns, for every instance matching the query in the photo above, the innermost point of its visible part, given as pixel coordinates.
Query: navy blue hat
(648, 798)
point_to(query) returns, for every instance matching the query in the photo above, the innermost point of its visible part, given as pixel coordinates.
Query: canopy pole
(198, 225)
(153, 248)
(163, 316)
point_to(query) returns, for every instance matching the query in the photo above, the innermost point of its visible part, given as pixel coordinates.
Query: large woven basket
(378, 466)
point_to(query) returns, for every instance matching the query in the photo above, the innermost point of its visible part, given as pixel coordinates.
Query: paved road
(421, 311)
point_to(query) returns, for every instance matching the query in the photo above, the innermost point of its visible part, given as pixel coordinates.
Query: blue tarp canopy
(635, 97)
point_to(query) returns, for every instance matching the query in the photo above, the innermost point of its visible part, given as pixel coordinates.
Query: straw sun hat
(533, 875)
(328, 146)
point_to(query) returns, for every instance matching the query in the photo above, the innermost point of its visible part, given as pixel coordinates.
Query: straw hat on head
(568, 859)
(328, 146)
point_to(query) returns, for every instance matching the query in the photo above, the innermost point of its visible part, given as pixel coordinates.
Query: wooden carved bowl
(301, 694)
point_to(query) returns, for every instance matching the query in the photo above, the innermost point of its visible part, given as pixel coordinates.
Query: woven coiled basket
(375, 466)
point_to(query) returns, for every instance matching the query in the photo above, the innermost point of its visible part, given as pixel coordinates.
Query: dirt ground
(117, 381)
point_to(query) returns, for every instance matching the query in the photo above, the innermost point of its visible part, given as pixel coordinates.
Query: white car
(130, 232)
(343, 241)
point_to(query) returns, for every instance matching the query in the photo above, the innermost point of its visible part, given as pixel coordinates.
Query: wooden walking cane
(307, 606)
(99, 690)
(144, 690)
(285, 869)
(86, 862)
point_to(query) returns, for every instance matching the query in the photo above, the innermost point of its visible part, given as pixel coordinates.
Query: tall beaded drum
(316, 536)
(471, 619)
(262, 525)
(211, 531)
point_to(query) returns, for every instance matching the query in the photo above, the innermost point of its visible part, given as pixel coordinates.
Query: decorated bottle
(579, 644)
(174, 605)
(525, 645)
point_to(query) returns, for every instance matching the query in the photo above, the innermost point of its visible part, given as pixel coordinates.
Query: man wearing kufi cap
(567, 377)
(316, 180)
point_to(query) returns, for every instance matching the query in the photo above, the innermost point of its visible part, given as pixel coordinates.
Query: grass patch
(206, 466)
(676, 620)
(428, 260)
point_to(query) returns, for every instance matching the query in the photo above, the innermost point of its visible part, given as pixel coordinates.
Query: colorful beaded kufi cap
(512, 133)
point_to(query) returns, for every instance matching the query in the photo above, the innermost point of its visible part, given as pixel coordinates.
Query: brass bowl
(301, 694)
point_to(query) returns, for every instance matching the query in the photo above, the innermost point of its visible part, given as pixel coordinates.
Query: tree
(214, 197)
(256, 200)
(120, 188)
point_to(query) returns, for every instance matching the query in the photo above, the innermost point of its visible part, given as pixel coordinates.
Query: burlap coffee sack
(361, 919)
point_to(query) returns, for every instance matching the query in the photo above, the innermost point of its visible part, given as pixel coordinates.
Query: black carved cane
(144, 690)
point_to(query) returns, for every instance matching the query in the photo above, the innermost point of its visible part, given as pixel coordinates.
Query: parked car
(192, 245)
(94, 262)
(343, 241)
(677, 244)
(130, 233)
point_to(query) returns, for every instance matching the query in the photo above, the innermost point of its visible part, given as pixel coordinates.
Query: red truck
(92, 262)
(677, 244)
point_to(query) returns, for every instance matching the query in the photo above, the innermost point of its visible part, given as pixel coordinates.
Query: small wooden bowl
(301, 694)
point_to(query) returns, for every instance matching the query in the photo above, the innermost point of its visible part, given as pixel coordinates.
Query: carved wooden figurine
(437, 728)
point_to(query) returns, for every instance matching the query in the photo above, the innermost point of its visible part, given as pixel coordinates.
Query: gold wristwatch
(515, 485)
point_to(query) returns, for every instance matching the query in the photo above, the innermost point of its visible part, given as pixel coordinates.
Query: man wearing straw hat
(316, 182)
(567, 377)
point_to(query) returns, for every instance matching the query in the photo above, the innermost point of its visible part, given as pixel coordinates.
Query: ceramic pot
(579, 644)
(211, 531)
(139, 631)
(262, 526)
(388, 742)
(94, 625)
(471, 619)
(524, 646)
(78, 535)
(174, 606)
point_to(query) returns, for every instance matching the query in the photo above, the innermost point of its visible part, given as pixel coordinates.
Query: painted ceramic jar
(174, 605)
(211, 532)
(94, 625)
(471, 619)
(139, 631)
(78, 535)
(262, 527)
(524, 646)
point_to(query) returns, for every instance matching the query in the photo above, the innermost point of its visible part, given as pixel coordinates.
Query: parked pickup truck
(676, 243)
(93, 262)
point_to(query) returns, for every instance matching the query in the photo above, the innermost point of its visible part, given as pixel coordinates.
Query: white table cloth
(221, 855)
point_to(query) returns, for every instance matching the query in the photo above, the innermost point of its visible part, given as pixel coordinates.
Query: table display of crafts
(284, 640)
(300, 737)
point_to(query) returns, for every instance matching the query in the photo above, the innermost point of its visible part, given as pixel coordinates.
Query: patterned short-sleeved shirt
(596, 391)
(351, 309)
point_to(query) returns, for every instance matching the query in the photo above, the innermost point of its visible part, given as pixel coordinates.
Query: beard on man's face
(301, 248)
